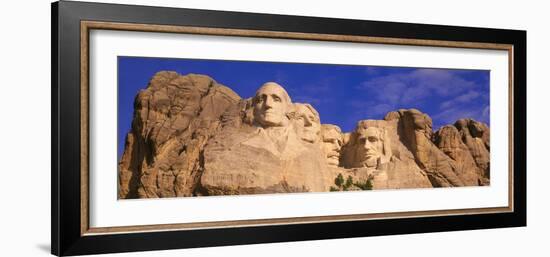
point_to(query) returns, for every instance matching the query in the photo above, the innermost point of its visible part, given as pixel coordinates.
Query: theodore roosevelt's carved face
(271, 105)
(332, 143)
(308, 122)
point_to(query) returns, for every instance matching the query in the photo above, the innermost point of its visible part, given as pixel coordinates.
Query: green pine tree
(339, 180)
(349, 183)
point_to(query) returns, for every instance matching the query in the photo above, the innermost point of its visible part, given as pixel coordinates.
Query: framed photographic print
(178, 128)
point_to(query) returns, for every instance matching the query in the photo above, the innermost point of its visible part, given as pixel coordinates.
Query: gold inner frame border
(86, 26)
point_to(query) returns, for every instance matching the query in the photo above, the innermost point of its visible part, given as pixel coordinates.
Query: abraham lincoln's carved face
(370, 146)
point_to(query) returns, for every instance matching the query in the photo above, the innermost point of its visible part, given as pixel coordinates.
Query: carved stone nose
(269, 102)
(367, 144)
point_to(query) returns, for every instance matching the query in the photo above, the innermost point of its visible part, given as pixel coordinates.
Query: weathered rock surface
(253, 153)
(245, 159)
(476, 136)
(173, 119)
(192, 136)
(445, 160)
(400, 169)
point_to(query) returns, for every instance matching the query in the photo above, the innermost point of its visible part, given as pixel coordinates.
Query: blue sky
(342, 94)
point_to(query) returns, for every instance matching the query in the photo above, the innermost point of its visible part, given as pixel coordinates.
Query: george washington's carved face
(271, 105)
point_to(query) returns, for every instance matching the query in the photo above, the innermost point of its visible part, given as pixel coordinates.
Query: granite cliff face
(173, 120)
(191, 136)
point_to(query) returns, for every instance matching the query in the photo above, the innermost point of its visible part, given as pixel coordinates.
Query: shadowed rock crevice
(192, 136)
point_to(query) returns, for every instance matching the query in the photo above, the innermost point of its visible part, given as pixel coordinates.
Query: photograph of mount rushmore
(191, 127)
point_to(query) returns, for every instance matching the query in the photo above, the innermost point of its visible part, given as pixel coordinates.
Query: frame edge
(65, 241)
(55, 231)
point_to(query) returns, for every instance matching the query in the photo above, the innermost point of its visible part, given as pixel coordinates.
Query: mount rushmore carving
(191, 136)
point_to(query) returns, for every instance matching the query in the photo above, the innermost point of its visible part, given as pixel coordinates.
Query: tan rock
(333, 139)
(415, 130)
(192, 136)
(476, 136)
(395, 165)
(369, 146)
(448, 140)
(278, 151)
(173, 119)
(308, 122)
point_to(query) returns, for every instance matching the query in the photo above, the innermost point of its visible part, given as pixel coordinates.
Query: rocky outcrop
(192, 136)
(246, 159)
(476, 136)
(173, 119)
(441, 155)
(398, 170)
(266, 147)
(448, 140)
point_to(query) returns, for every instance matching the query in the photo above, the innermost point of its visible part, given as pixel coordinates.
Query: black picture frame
(66, 212)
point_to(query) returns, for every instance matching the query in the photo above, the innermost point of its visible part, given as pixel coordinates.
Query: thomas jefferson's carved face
(370, 146)
(271, 104)
(309, 125)
(332, 144)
